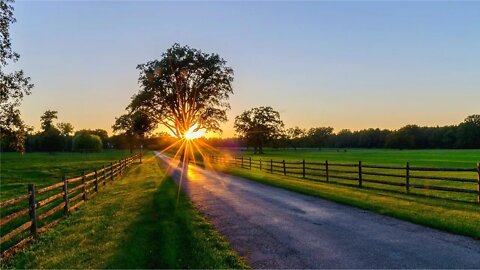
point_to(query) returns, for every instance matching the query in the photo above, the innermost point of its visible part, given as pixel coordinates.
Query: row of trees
(59, 137)
(262, 126)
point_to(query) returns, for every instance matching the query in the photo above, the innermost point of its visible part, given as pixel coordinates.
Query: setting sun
(192, 134)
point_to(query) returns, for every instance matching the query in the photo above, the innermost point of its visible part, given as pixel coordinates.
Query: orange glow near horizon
(193, 134)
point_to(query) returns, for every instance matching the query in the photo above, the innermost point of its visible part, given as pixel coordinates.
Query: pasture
(429, 158)
(43, 169)
(420, 182)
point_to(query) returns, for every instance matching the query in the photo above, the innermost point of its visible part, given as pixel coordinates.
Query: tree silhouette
(320, 135)
(186, 88)
(134, 126)
(13, 85)
(46, 120)
(65, 128)
(258, 126)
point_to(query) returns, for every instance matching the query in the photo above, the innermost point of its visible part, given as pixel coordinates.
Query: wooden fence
(407, 177)
(25, 217)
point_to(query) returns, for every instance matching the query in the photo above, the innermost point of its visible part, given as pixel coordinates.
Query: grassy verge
(134, 223)
(43, 169)
(451, 216)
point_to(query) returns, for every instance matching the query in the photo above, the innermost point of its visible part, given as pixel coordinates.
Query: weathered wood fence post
(359, 173)
(104, 175)
(250, 161)
(478, 178)
(271, 165)
(407, 177)
(326, 170)
(84, 187)
(111, 171)
(242, 161)
(96, 181)
(303, 168)
(65, 194)
(284, 168)
(32, 210)
(260, 164)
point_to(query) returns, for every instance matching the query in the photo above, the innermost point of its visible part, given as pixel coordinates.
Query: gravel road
(275, 228)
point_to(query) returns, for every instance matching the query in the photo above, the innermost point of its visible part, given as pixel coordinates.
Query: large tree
(14, 85)
(258, 126)
(185, 90)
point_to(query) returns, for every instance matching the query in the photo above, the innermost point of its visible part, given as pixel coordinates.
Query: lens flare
(192, 134)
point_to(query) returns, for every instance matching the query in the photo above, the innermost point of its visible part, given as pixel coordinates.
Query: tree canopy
(185, 88)
(13, 85)
(65, 128)
(258, 126)
(320, 135)
(134, 126)
(86, 142)
(46, 120)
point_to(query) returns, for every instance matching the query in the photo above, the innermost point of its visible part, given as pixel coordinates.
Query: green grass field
(437, 209)
(429, 158)
(416, 158)
(136, 222)
(43, 169)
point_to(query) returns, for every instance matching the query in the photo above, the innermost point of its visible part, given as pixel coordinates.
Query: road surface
(276, 228)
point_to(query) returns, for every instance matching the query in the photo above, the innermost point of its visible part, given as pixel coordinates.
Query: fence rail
(454, 180)
(40, 209)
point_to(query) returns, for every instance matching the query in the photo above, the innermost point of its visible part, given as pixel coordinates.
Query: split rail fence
(25, 217)
(452, 183)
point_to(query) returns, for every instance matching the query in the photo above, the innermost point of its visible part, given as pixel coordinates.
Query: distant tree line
(132, 131)
(262, 126)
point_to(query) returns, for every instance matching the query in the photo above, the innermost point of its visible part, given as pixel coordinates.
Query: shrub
(85, 142)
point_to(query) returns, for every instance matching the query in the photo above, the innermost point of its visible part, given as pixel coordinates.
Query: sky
(342, 64)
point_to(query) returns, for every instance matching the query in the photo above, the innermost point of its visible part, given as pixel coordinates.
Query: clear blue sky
(346, 64)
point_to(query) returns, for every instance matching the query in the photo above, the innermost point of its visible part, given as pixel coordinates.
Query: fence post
(284, 168)
(96, 181)
(260, 164)
(32, 212)
(65, 194)
(84, 187)
(359, 173)
(271, 165)
(326, 170)
(250, 161)
(407, 176)
(478, 179)
(242, 161)
(111, 171)
(104, 175)
(140, 156)
(303, 168)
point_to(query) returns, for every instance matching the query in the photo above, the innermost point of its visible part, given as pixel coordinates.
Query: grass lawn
(416, 158)
(429, 158)
(133, 223)
(43, 169)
